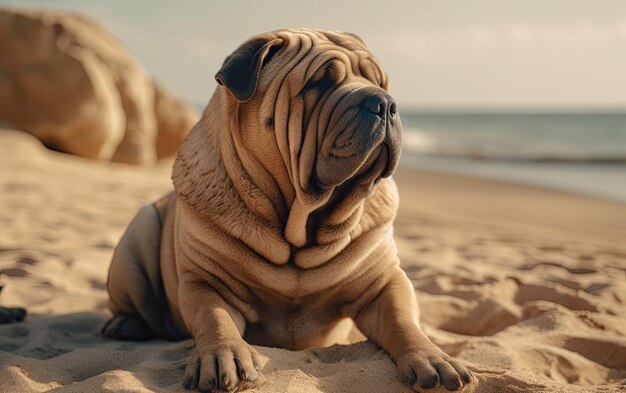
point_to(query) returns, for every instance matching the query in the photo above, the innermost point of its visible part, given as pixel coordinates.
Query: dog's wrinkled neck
(209, 178)
(197, 163)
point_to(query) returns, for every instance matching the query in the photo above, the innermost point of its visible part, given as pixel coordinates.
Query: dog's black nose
(380, 104)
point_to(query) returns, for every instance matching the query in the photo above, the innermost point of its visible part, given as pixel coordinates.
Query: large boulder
(67, 81)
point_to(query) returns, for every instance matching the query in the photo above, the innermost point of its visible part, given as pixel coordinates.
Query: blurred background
(531, 92)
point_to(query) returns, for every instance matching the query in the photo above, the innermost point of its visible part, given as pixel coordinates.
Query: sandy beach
(525, 286)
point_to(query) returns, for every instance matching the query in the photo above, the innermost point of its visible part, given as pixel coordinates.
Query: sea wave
(513, 147)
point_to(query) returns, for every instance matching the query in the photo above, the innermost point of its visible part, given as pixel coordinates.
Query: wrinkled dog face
(321, 100)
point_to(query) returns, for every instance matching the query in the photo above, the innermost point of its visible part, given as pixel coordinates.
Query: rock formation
(66, 80)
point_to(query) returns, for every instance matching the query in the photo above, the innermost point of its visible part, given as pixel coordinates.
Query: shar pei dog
(279, 229)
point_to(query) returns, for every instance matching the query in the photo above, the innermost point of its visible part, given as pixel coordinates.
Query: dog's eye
(320, 84)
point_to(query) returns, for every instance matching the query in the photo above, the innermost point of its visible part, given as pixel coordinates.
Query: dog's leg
(391, 321)
(136, 295)
(127, 327)
(221, 360)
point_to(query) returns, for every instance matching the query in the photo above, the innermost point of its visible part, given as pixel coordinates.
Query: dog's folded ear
(240, 71)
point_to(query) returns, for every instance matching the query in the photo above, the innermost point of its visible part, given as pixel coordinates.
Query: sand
(525, 286)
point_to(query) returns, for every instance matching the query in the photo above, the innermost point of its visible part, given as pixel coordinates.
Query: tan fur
(247, 248)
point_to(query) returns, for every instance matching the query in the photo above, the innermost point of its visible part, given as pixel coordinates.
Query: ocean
(583, 153)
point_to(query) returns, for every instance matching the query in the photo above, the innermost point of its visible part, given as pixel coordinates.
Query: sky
(479, 54)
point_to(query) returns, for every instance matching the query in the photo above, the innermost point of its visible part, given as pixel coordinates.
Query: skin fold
(279, 228)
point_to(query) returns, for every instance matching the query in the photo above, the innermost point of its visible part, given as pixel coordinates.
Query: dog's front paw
(430, 368)
(223, 367)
